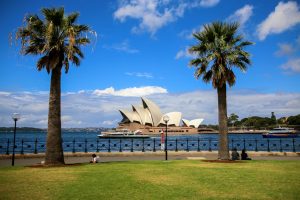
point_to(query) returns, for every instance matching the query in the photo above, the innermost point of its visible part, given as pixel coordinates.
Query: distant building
(149, 119)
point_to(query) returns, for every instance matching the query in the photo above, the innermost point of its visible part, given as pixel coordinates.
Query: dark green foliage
(210, 126)
(266, 122)
(282, 120)
(294, 120)
(256, 122)
(219, 50)
(232, 119)
(273, 118)
(23, 129)
(57, 38)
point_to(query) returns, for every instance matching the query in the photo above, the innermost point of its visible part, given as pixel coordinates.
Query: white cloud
(89, 110)
(139, 74)
(109, 122)
(291, 53)
(147, 12)
(242, 15)
(41, 123)
(209, 3)
(188, 34)
(184, 54)
(154, 14)
(131, 92)
(123, 46)
(285, 50)
(262, 104)
(5, 93)
(107, 91)
(69, 121)
(37, 107)
(298, 40)
(293, 65)
(285, 16)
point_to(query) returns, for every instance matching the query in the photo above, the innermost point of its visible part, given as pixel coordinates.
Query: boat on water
(281, 132)
(123, 133)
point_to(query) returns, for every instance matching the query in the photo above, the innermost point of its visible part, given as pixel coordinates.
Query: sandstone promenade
(71, 158)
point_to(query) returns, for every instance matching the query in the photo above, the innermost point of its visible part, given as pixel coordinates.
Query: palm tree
(57, 39)
(218, 50)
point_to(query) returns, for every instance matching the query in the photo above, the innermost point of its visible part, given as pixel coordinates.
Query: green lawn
(155, 180)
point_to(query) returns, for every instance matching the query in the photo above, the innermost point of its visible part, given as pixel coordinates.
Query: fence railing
(134, 145)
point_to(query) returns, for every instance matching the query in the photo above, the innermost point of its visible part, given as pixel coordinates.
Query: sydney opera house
(148, 118)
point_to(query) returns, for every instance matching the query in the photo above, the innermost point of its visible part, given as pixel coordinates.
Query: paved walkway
(31, 159)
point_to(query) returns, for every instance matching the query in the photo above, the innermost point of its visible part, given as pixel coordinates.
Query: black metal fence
(154, 144)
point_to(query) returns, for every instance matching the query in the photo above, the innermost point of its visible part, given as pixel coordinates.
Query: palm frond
(71, 19)
(79, 29)
(230, 77)
(207, 76)
(244, 43)
(219, 48)
(56, 37)
(78, 51)
(82, 41)
(54, 15)
(75, 60)
(42, 63)
(196, 62)
(66, 64)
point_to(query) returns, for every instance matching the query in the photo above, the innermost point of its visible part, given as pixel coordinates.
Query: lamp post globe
(15, 117)
(166, 119)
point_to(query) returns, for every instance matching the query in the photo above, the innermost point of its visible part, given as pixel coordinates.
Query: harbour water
(35, 142)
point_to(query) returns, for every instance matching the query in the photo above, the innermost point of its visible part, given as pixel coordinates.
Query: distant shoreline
(169, 133)
(210, 132)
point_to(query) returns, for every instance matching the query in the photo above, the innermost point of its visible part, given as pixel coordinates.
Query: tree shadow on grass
(224, 161)
(49, 166)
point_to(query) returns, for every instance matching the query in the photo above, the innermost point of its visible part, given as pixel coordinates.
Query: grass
(155, 180)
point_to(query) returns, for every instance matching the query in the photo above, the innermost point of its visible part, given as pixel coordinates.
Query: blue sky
(140, 50)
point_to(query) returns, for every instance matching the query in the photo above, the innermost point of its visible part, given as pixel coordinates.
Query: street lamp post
(15, 117)
(166, 120)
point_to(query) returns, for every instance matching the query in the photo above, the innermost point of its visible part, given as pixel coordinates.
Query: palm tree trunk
(54, 150)
(223, 152)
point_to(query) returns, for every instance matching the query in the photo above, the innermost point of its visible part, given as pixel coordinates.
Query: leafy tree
(273, 118)
(218, 50)
(57, 39)
(294, 120)
(282, 120)
(232, 119)
(257, 122)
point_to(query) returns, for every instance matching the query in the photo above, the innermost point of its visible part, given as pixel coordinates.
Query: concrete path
(31, 159)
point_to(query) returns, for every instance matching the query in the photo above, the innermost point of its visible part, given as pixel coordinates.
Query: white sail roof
(153, 109)
(144, 114)
(175, 118)
(127, 115)
(186, 122)
(196, 123)
(150, 114)
(136, 117)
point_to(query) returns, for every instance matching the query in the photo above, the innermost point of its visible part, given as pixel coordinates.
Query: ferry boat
(281, 132)
(123, 133)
